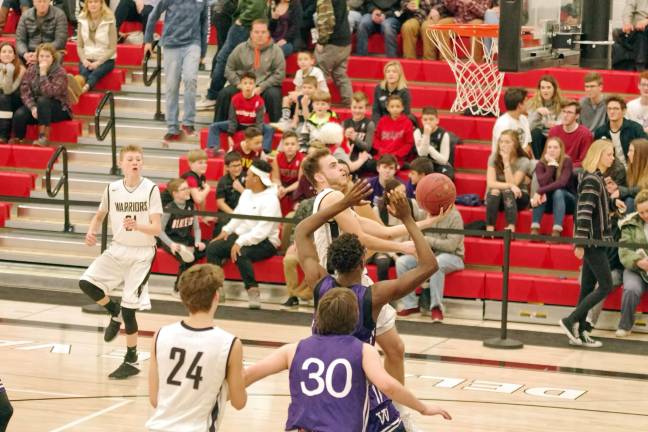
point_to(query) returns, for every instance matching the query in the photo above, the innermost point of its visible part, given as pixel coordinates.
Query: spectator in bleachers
(395, 133)
(321, 115)
(221, 16)
(576, 137)
(265, 59)
(41, 24)
(308, 26)
(250, 147)
(393, 83)
(333, 44)
(11, 75)
(638, 108)
(286, 170)
(195, 176)
(387, 166)
(303, 107)
(419, 168)
(247, 241)
(359, 131)
(592, 223)
(635, 20)
(637, 175)
(464, 12)
(246, 14)
(44, 94)
(491, 16)
(434, 142)
(356, 10)
(96, 43)
(514, 118)
(184, 40)
(285, 22)
(246, 109)
(557, 192)
(229, 189)
(449, 251)
(181, 236)
(506, 180)
(382, 17)
(544, 112)
(593, 111)
(133, 10)
(620, 130)
(634, 229)
(417, 17)
(292, 102)
(19, 6)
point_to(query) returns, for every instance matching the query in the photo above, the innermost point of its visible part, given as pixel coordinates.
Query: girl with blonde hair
(393, 83)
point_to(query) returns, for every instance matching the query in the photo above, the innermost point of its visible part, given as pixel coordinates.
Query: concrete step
(143, 106)
(148, 133)
(45, 248)
(45, 217)
(135, 83)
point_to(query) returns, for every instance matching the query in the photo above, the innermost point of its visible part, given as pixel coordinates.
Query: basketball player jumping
(330, 371)
(134, 207)
(192, 360)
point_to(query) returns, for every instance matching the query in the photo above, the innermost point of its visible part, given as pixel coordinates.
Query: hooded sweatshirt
(267, 63)
(394, 136)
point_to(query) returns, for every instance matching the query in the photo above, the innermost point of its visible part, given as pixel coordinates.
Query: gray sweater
(53, 30)
(448, 243)
(185, 23)
(9, 78)
(272, 66)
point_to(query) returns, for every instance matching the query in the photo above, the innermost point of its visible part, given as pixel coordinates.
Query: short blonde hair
(641, 197)
(130, 148)
(321, 96)
(196, 155)
(106, 12)
(593, 156)
(198, 285)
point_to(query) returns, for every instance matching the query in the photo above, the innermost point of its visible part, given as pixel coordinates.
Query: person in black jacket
(593, 209)
(284, 22)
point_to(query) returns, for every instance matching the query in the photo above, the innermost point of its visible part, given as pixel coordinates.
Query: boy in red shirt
(285, 170)
(250, 147)
(395, 132)
(246, 109)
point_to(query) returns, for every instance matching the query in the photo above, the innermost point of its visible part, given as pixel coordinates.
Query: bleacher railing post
(503, 341)
(158, 85)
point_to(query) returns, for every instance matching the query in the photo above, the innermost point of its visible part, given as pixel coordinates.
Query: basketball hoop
(479, 81)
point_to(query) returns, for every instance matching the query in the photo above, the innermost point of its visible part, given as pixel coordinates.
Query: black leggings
(182, 265)
(383, 262)
(49, 111)
(6, 410)
(9, 103)
(126, 11)
(505, 201)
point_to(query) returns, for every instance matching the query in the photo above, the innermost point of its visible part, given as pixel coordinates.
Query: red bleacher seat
(112, 81)
(16, 183)
(127, 55)
(266, 271)
(135, 26)
(88, 103)
(26, 156)
(66, 131)
(12, 22)
(533, 289)
(465, 284)
(5, 210)
(468, 183)
(471, 156)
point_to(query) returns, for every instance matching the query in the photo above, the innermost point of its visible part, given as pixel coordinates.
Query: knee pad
(92, 291)
(130, 323)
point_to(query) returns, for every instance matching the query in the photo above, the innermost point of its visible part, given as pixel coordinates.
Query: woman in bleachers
(285, 20)
(637, 176)
(393, 83)
(544, 111)
(11, 74)
(44, 94)
(507, 178)
(96, 44)
(556, 193)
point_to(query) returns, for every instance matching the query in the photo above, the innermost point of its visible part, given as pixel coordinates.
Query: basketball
(435, 191)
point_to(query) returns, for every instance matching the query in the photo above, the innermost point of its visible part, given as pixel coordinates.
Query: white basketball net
(479, 84)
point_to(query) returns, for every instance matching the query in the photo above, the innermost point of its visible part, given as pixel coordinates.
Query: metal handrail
(109, 98)
(62, 182)
(157, 76)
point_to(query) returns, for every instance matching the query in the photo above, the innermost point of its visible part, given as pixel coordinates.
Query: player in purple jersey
(345, 256)
(328, 373)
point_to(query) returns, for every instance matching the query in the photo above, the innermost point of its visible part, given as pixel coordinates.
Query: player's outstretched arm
(390, 290)
(308, 258)
(276, 362)
(95, 227)
(153, 378)
(376, 373)
(235, 376)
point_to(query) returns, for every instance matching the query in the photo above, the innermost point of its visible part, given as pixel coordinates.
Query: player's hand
(535, 201)
(90, 238)
(431, 410)
(356, 194)
(579, 252)
(200, 246)
(443, 212)
(235, 252)
(130, 224)
(399, 205)
(175, 248)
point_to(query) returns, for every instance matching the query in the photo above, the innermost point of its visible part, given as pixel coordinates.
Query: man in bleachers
(134, 10)
(383, 17)
(576, 137)
(262, 57)
(638, 108)
(356, 9)
(514, 118)
(41, 24)
(417, 17)
(593, 113)
(635, 19)
(465, 12)
(619, 129)
(17, 5)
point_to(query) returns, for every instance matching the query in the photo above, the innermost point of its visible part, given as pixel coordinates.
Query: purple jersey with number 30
(328, 387)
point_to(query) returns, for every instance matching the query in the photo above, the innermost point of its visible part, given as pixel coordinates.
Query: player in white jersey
(134, 207)
(195, 366)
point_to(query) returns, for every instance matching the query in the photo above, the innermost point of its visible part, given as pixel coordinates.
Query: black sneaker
(124, 371)
(571, 331)
(112, 330)
(188, 130)
(292, 301)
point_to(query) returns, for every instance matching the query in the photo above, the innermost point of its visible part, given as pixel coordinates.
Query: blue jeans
(213, 139)
(354, 19)
(181, 63)
(93, 76)
(389, 28)
(236, 35)
(448, 263)
(490, 17)
(559, 202)
(287, 49)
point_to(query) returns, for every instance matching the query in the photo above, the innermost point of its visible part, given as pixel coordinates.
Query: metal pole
(67, 226)
(503, 341)
(596, 27)
(158, 85)
(114, 170)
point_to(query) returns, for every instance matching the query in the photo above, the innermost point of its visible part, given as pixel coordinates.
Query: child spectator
(434, 142)
(195, 177)
(419, 168)
(544, 111)
(514, 118)
(576, 137)
(246, 109)
(250, 147)
(229, 188)
(593, 104)
(387, 166)
(359, 132)
(393, 83)
(286, 170)
(395, 132)
(181, 235)
(507, 171)
(11, 75)
(321, 115)
(295, 113)
(557, 191)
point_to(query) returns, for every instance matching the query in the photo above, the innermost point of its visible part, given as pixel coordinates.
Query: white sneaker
(205, 104)
(186, 254)
(282, 125)
(572, 333)
(588, 342)
(407, 417)
(620, 333)
(254, 298)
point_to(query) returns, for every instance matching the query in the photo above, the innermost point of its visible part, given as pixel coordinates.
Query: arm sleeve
(278, 68)
(422, 145)
(262, 229)
(296, 13)
(231, 66)
(441, 157)
(204, 29)
(375, 107)
(628, 11)
(231, 120)
(260, 112)
(163, 235)
(26, 94)
(61, 34)
(21, 37)
(325, 21)
(585, 206)
(407, 101)
(17, 79)
(154, 16)
(54, 84)
(196, 230)
(369, 137)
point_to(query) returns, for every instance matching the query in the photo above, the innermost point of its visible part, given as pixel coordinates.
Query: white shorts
(387, 316)
(126, 267)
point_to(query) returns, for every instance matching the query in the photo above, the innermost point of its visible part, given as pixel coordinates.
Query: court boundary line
(119, 404)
